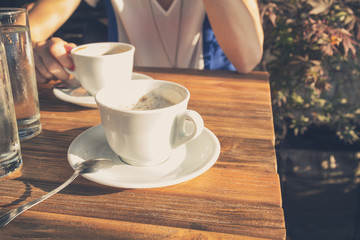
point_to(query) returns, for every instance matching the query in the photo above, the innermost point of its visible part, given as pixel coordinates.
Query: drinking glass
(10, 154)
(14, 25)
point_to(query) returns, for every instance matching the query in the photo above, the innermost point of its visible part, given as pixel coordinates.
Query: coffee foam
(152, 101)
(157, 98)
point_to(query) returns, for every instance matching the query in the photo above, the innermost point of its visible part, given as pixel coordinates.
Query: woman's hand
(51, 57)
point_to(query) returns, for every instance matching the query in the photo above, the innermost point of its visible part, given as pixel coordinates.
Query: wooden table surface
(238, 198)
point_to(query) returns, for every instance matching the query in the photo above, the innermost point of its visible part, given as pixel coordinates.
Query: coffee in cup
(145, 119)
(151, 101)
(101, 64)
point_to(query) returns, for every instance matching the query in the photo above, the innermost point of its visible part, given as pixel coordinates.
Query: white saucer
(73, 92)
(186, 162)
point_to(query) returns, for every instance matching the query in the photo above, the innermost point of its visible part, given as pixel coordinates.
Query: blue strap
(112, 26)
(214, 57)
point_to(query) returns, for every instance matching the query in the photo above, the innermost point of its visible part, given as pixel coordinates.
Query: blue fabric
(112, 28)
(214, 57)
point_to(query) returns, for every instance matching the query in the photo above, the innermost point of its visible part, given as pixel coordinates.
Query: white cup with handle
(144, 120)
(101, 64)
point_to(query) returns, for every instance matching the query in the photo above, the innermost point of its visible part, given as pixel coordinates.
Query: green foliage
(311, 51)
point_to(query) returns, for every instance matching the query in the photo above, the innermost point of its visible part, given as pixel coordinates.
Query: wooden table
(238, 198)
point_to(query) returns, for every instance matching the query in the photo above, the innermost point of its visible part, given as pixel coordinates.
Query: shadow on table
(92, 189)
(45, 158)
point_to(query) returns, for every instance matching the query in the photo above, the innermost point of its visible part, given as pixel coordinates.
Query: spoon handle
(9, 216)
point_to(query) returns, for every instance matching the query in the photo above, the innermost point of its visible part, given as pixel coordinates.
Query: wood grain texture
(238, 198)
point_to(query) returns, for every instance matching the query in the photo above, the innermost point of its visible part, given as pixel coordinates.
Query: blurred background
(87, 24)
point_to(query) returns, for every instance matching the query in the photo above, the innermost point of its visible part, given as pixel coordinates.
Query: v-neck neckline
(168, 28)
(167, 11)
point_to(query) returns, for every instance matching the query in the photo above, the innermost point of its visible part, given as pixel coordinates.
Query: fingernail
(72, 68)
(68, 49)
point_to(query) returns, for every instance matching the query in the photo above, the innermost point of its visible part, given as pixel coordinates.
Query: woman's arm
(238, 30)
(47, 16)
(51, 55)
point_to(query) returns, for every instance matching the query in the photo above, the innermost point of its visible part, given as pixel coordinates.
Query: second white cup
(145, 119)
(101, 64)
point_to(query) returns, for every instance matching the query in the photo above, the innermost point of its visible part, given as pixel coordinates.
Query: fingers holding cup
(51, 57)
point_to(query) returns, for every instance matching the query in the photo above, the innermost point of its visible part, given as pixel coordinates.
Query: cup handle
(71, 72)
(181, 135)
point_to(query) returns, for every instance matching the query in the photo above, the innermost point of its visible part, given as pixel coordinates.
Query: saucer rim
(128, 185)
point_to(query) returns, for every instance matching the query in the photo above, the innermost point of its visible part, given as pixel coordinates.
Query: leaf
(348, 44)
(327, 49)
(269, 11)
(272, 17)
(319, 6)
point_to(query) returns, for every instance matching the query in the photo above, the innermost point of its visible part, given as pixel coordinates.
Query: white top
(171, 38)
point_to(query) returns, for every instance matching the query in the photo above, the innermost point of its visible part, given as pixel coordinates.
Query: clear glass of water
(10, 154)
(14, 25)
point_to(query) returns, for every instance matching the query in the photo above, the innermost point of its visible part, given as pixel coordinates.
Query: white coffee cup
(101, 64)
(146, 137)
